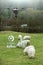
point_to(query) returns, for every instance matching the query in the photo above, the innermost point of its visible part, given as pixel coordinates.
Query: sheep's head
(19, 37)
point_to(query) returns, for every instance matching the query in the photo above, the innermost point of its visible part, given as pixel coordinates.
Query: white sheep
(27, 37)
(22, 43)
(30, 51)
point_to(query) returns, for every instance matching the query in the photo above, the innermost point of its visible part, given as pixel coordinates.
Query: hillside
(15, 56)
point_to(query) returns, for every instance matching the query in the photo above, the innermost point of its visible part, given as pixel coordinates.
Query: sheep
(27, 37)
(30, 51)
(22, 43)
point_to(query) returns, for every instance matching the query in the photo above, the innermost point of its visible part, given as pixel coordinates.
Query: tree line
(33, 18)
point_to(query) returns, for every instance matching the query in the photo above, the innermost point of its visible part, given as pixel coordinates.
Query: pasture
(15, 56)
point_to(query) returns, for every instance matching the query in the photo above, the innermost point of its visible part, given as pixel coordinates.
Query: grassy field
(15, 56)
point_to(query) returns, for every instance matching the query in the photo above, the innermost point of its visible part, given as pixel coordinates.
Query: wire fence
(20, 29)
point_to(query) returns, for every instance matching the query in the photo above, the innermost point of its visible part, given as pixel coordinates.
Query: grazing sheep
(30, 51)
(27, 37)
(22, 43)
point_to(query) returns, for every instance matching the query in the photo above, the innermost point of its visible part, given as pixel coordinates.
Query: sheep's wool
(30, 50)
(26, 37)
(23, 43)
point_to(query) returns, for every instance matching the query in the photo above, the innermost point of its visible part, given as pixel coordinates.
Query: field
(15, 56)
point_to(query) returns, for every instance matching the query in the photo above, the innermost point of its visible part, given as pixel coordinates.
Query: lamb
(22, 43)
(30, 51)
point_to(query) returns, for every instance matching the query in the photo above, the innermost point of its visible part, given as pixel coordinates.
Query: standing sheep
(22, 43)
(30, 51)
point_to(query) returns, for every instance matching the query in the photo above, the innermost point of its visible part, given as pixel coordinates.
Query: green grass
(15, 56)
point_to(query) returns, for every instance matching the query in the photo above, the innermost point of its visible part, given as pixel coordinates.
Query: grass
(15, 56)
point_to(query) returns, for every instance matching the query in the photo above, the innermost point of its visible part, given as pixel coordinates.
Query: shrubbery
(33, 18)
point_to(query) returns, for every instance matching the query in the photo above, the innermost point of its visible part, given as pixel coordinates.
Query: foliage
(32, 17)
